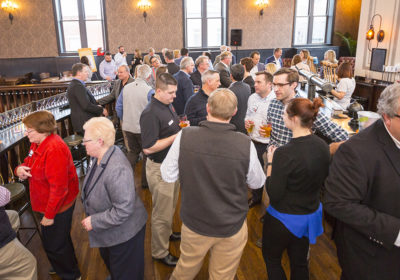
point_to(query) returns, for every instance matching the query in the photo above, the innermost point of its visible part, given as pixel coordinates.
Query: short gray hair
(208, 75)
(101, 128)
(186, 62)
(388, 102)
(143, 71)
(125, 66)
(201, 59)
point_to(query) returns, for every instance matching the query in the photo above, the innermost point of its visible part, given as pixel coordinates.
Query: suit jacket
(224, 74)
(113, 96)
(83, 105)
(261, 66)
(184, 91)
(363, 192)
(109, 197)
(242, 92)
(271, 59)
(173, 68)
(217, 60)
(196, 78)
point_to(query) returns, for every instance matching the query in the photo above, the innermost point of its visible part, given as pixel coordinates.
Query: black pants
(135, 147)
(58, 245)
(260, 148)
(125, 261)
(276, 238)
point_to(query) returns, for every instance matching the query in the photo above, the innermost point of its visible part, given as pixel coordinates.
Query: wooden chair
(329, 70)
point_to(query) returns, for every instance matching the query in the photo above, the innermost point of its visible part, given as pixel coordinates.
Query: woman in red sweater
(54, 186)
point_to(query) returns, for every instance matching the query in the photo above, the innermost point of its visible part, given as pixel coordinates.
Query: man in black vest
(214, 164)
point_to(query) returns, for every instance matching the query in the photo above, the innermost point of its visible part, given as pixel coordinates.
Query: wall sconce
(144, 5)
(371, 33)
(261, 4)
(9, 6)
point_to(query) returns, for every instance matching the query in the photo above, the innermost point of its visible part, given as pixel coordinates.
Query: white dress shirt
(119, 60)
(170, 169)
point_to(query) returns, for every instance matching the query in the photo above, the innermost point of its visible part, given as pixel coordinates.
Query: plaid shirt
(4, 196)
(281, 135)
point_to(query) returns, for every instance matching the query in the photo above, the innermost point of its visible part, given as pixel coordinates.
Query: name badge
(30, 153)
(170, 122)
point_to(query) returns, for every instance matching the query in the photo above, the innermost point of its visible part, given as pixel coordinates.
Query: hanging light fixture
(371, 32)
(144, 5)
(261, 4)
(9, 6)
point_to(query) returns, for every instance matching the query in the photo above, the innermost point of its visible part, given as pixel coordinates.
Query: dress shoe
(169, 260)
(175, 236)
(253, 203)
(52, 271)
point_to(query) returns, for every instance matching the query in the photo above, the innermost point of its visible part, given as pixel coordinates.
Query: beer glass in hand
(183, 121)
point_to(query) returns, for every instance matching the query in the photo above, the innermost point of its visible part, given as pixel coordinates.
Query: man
(285, 82)
(163, 51)
(184, 53)
(81, 101)
(257, 66)
(275, 58)
(362, 192)
(201, 66)
(159, 125)
(257, 108)
(233, 56)
(16, 262)
(130, 105)
(223, 68)
(169, 59)
(124, 78)
(185, 85)
(213, 163)
(223, 49)
(146, 58)
(242, 92)
(155, 63)
(120, 57)
(195, 108)
(107, 68)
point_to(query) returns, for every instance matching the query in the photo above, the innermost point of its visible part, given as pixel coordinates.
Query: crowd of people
(202, 130)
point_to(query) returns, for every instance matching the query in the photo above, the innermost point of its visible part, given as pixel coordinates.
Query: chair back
(329, 71)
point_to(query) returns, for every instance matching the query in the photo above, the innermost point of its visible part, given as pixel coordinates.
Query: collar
(82, 82)
(276, 59)
(185, 73)
(158, 102)
(106, 156)
(224, 64)
(43, 146)
(396, 142)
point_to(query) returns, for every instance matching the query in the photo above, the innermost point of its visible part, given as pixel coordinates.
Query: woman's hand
(46, 222)
(23, 172)
(87, 223)
(271, 151)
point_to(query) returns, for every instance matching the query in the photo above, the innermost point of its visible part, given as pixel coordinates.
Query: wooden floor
(323, 260)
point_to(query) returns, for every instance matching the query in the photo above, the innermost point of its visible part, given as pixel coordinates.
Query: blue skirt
(309, 225)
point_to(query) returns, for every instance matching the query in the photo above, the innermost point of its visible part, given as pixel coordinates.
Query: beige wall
(347, 19)
(32, 33)
(390, 11)
(273, 29)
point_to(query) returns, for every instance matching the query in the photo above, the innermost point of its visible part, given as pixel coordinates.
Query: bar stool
(18, 192)
(74, 143)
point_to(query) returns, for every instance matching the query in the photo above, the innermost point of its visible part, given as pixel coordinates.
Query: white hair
(186, 62)
(389, 101)
(101, 128)
(143, 71)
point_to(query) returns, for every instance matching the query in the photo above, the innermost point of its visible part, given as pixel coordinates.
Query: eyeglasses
(86, 140)
(29, 131)
(280, 85)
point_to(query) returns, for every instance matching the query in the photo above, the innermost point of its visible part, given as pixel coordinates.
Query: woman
(271, 68)
(136, 60)
(294, 217)
(298, 64)
(248, 79)
(116, 217)
(346, 86)
(53, 185)
(308, 59)
(329, 58)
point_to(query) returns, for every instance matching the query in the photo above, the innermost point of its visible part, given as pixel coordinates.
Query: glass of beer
(183, 121)
(251, 127)
(267, 127)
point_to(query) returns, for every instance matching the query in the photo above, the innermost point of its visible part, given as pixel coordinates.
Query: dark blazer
(172, 68)
(196, 78)
(261, 66)
(242, 92)
(195, 108)
(111, 200)
(184, 91)
(363, 192)
(271, 59)
(224, 74)
(83, 105)
(113, 96)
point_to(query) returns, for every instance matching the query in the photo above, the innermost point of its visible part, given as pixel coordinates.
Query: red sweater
(54, 183)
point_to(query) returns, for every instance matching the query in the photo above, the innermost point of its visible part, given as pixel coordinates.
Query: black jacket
(242, 92)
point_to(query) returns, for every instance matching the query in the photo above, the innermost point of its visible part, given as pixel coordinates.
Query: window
(80, 24)
(313, 22)
(205, 23)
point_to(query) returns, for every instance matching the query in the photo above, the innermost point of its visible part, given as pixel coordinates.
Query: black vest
(6, 232)
(213, 167)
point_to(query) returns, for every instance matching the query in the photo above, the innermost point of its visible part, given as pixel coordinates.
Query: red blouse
(54, 183)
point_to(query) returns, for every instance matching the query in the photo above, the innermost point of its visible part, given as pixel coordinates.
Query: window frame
(204, 31)
(82, 27)
(330, 18)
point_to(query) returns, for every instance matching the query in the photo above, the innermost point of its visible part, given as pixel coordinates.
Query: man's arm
(111, 97)
(160, 145)
(101, 70)
(169, 167)
(84, 102)
(119, 107)
(330, 129)
(255, 175)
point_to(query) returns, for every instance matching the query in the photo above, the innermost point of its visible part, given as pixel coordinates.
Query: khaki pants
(14, 219)
(164, 197)
(16, 262)
(225, 254)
